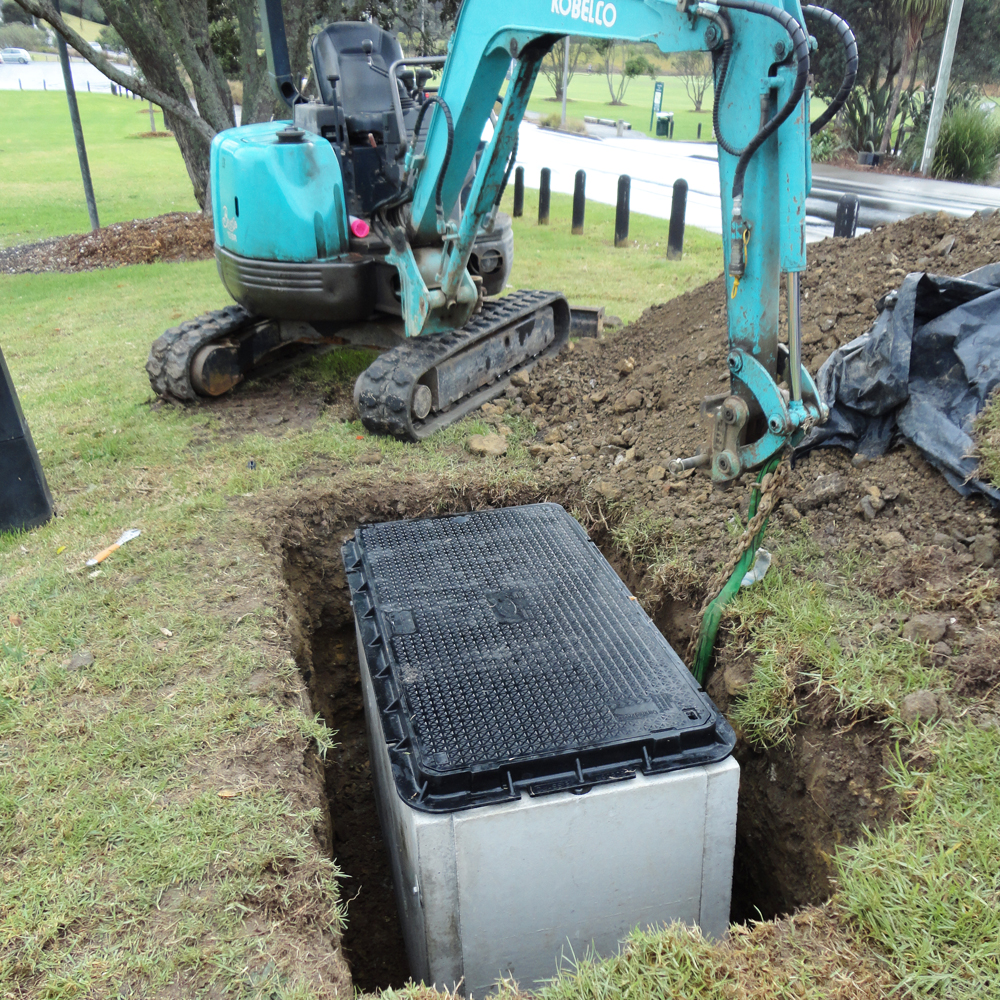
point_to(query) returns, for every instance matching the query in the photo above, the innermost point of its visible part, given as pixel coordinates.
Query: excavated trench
(797, 803)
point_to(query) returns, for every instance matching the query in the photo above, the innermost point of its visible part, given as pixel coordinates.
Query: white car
(15, 55)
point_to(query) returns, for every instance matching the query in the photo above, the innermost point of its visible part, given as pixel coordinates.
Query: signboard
(657, 102)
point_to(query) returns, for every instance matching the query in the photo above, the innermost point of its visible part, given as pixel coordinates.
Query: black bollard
(699, 130)
(25, 501)
(678, 206)
(543, 197)
(579, 201)
(847, 215)
(518, 192)
(621, 211)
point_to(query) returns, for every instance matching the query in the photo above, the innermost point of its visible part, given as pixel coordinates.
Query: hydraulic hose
(721, 21)
(850, 53)
(438, 202)
(800, 44)
(712, 617)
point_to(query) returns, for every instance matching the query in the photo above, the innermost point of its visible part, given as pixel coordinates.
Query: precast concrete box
(548, 773)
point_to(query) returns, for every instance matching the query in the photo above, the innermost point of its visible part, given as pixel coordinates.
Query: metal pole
(678, 208)
(74, 115)
(621, 211)
(794, 336)
(579, 201)
(565, 81)
(941, 86)
(518, 192)
(543, 197)
(152, 120)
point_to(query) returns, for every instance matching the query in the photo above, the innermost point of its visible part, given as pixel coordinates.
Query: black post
(543, 197)
(847, 215)
(621, 211)
(25, 501)
(518, 192)
(699, 130)
(678, 206)
(579, 201)
(74, 116)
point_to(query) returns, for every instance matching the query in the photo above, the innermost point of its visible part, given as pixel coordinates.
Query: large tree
(916, 15)
(552, 63)
(622, 64)
(695, 70)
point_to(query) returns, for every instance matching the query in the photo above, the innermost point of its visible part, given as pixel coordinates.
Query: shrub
(23, 36)
(13, 14)
(968, 146)
(864, 117)
(554, 120)
(827, 145)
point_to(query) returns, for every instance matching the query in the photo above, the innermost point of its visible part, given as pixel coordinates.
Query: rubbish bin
(665, 124)
(548, 773)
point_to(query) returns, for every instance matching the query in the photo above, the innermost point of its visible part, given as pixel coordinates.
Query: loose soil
(610, 414)
(173, 237)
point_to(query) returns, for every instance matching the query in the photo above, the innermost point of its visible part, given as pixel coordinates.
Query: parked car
(15, 55)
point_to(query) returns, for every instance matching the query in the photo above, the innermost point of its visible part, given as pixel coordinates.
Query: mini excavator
(371, 218)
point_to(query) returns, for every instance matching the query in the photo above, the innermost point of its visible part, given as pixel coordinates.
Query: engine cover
(277, 200)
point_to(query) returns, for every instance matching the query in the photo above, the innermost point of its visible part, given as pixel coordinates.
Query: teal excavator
(371, 215)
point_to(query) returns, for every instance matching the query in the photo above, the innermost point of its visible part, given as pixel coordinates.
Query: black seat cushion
(364, 94)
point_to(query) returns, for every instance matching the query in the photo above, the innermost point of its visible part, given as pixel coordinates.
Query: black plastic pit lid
(506, 655)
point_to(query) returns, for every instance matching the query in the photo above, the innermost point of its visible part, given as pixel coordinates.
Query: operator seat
(363, 92)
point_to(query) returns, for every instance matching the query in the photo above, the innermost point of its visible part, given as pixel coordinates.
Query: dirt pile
(173, 237)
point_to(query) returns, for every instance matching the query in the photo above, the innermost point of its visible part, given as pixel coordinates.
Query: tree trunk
(894, 103)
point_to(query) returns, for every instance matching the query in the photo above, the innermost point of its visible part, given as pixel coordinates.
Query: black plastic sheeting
(924, 371)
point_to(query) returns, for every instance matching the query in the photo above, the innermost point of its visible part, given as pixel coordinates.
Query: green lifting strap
(712, 617)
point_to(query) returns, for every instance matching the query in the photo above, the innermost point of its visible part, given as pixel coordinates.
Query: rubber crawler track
(383, 392)
(170, 357)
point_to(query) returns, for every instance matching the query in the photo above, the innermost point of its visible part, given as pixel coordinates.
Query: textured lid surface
(506, 654)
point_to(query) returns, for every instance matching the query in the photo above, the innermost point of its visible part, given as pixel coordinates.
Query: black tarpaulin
(924, 371)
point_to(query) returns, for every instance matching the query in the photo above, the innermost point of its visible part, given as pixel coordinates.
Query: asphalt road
(39, 75)
(654, 166)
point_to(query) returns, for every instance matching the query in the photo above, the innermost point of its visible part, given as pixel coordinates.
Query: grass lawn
(42, 192)
(588, 268)
(89, 29)
(588, 96)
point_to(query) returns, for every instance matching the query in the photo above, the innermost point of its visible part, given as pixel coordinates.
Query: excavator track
(170, 357)
(501, 338)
